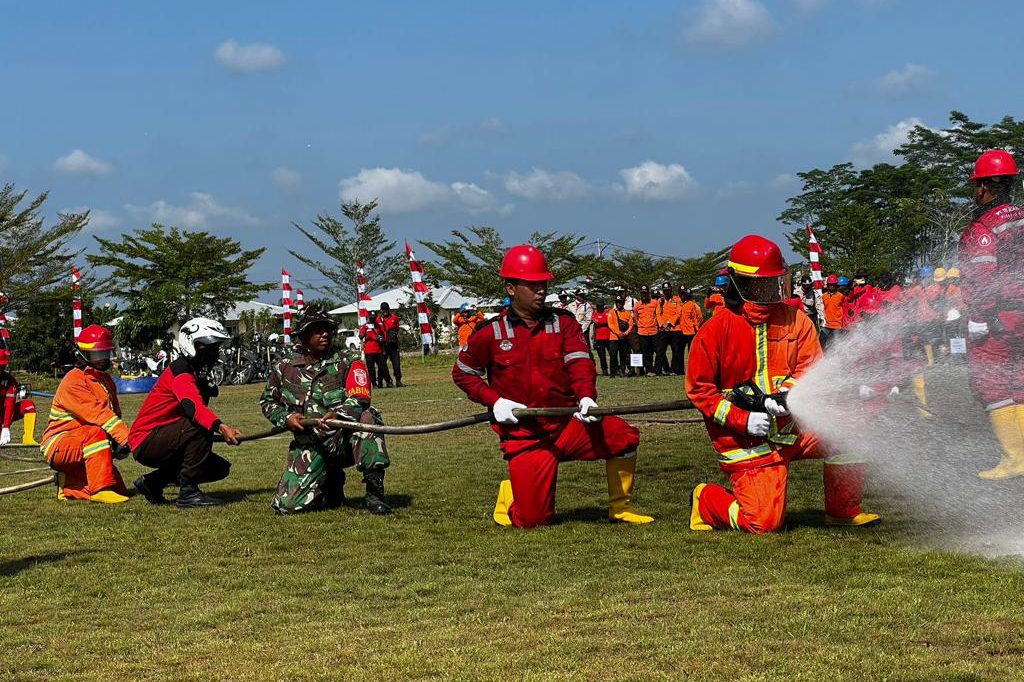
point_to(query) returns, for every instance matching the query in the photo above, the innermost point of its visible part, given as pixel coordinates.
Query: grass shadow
(16, 566)
(585, 514)
(395, 501)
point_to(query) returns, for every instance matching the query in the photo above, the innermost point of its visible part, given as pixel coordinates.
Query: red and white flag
(76, 300)
(300, 302)
(286, 303)
(419, 290)
(362, 295)
(814, 255)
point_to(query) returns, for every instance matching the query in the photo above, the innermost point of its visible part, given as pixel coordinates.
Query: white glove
(952, 315)
(894, 392)
(775, 408)
(585, 405)
(976, 329)
(502, 410)
(757, 424)
(866, 392)
(5, 437)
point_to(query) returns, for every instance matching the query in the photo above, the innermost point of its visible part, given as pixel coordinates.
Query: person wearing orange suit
(669, 309)
(85, 432)
(758, 338)
(646, 313)
(621, 325)
(833, 300)
(467, 320)
(14, 406)
(714, 300)
(690, 319)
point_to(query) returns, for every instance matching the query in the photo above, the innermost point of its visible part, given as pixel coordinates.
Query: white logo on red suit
(505, 345)
(359, 374)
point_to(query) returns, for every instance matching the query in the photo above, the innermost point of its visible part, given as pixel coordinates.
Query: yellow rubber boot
(697, 522)
(620, 491)
(29, 437)
(864, 519)
(929, 353)
(108, 497)
(921, 395)
(504, 502)
(1008, 429)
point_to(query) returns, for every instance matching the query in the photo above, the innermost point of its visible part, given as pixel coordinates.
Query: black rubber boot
(374, 480)
(152, 490)
(191, 496)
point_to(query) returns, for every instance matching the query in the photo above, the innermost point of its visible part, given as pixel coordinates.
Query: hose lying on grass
(412, 429)
(484, 417)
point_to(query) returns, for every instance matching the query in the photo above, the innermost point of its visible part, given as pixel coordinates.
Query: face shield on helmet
(763, 290)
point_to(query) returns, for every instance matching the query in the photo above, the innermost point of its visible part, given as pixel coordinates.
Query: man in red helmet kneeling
(757, 345)
(535, 356)
(85, 432)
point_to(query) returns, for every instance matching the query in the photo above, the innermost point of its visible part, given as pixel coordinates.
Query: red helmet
(95, 338)
(993, 163)
(525, 262)
(832, 279)
(870, 302)
(755, 256)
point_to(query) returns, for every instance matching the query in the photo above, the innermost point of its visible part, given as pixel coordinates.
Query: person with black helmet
(326, 383)
(173, 432)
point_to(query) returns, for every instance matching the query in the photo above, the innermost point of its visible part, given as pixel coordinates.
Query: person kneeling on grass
(173, 432)
(323, 383)
(85, 431)
(534, 356)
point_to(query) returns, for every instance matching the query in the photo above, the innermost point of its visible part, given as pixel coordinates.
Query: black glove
(122, 451)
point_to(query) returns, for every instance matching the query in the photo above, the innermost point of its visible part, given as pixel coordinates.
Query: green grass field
(92, 592)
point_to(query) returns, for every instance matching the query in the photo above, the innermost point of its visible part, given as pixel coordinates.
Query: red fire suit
(13, 409)
(991, 265)
(773, 345)
(546, 366)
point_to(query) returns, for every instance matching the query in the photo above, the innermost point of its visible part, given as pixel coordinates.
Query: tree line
(880, 219)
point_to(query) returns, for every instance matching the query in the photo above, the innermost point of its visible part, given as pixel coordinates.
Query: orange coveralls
(467, 324)
(84, 415)
(713, 302)
(773, 345)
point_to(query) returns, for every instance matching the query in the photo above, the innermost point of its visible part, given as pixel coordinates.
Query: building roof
(236, 312)
(447, 298)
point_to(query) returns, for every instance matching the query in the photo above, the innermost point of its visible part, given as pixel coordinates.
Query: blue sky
(673, 127)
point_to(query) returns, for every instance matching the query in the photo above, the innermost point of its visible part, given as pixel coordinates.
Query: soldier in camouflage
(322, 383)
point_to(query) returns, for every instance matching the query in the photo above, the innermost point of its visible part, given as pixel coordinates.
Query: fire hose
(409, 430)
(483, 417)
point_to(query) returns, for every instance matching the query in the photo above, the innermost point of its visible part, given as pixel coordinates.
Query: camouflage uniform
(314, 477)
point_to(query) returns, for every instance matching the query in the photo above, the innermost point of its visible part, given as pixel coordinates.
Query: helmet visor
(763, 290)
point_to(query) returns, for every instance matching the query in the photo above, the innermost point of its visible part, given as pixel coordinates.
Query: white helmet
(273, 338)
(200, 330)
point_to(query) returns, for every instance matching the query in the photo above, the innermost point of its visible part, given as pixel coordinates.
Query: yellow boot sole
(696, 521)
(627, 516)
(862, 520)
(108, 497)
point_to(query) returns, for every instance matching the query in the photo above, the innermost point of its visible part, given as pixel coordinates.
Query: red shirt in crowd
(601, 330)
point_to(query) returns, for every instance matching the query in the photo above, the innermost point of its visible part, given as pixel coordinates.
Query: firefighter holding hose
(758, 345)
(535, 356)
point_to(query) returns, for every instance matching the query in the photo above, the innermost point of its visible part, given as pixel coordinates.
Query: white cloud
(99, 219)
(435, 138)
(201, 211)
(546, 185)
(652, 181)
(248, 58)
(729, 23)
(80, 163)
(286, 179)
(911, 78)
(784, 180)
(494, 125)
(879, 148)
(403, 191)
